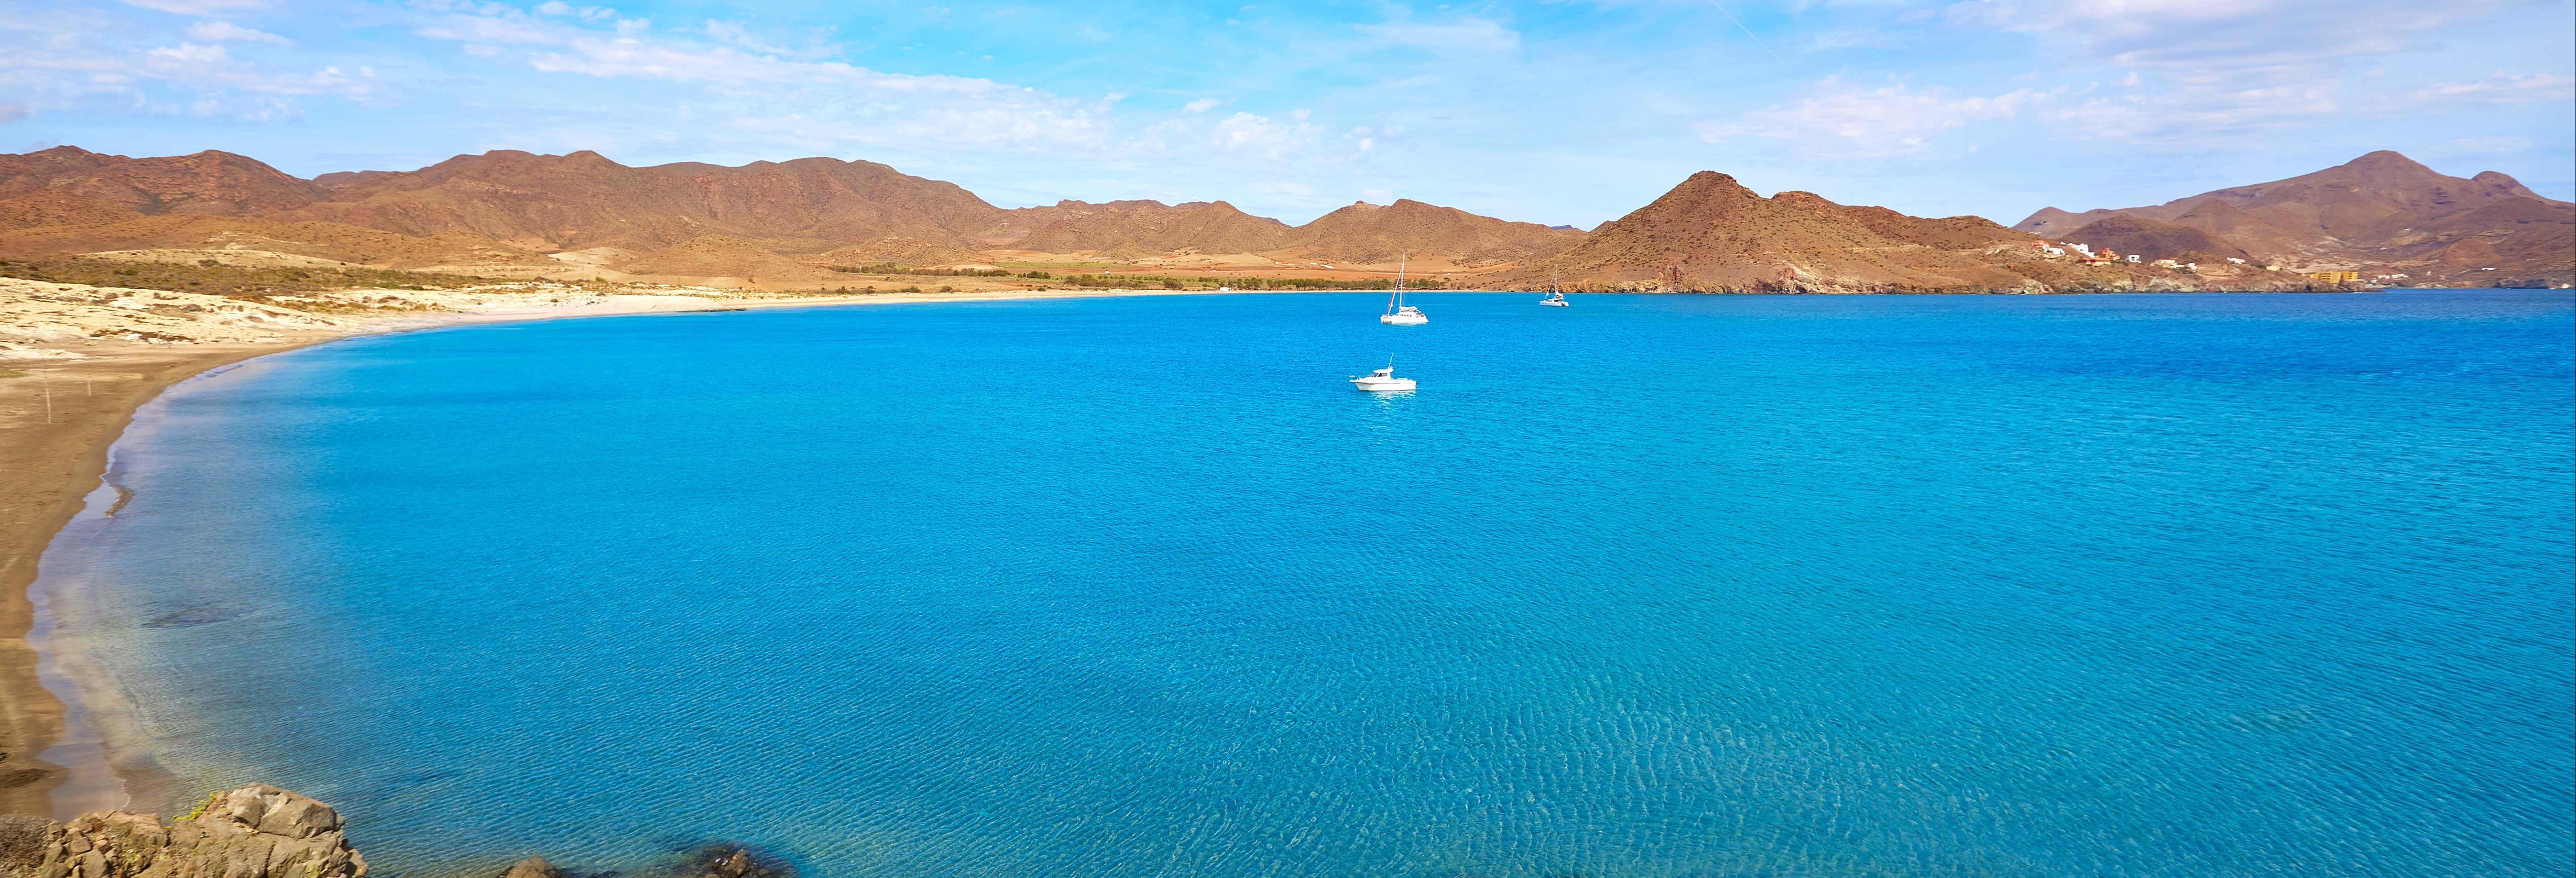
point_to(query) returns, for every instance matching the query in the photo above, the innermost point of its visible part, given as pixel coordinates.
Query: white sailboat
(1397, 312)
(1554, 296)
(1382, 380)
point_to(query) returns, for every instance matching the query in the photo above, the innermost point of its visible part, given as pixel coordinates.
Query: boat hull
(1404, 319)
(1382, 385)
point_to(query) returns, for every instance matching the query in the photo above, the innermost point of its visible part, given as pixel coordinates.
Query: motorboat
(1397, 312)
(1382, 380)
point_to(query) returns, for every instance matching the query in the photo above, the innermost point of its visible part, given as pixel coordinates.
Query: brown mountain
(1712, 234)
(687, 218)
(1365, 232)
(2382, 209)
(1136, 228)
(2155, 240)
(206, 183)
(584, 200)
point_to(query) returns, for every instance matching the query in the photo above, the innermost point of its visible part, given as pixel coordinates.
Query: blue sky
(1554, 112)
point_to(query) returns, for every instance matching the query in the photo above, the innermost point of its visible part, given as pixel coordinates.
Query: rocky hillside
(210, 183)
(1712, 234)
(2129, 234)
(1366, 232)
(2381, 210)
(1137, 228)
(527, 214)
(583, 200)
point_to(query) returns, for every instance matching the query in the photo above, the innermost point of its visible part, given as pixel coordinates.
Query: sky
(1564, 112)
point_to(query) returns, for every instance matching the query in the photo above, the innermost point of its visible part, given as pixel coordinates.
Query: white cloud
(1839, 118)
(585, 13)
(1465, 35)
(2197, 113)
(2214, 37)
(1202, 105)
(2501, 88)
(225, 31)
(210, 66)
(772, 94)
(195, 7)
(2218, 69)
(11, 111)
(1246, 133)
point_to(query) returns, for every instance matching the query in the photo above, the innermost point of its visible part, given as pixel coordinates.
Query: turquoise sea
(2178, 585)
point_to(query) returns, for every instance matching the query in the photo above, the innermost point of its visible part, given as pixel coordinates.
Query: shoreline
(50, 470)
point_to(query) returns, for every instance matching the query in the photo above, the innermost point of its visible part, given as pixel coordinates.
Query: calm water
(1723, 586)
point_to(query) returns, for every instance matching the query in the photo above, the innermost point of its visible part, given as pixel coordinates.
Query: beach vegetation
(1203, 282)
(203, 805)
(215, 278)
(894, 268)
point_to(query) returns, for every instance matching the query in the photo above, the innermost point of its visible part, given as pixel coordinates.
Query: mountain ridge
(812, 220)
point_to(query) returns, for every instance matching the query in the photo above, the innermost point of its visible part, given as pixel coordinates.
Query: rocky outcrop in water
(257, 831)
(260, 831)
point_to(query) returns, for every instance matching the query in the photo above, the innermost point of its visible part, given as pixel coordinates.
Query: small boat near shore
(1382, 380)
(1397, 312)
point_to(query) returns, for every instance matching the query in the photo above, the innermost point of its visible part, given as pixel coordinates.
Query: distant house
(2133, 257)
(2086, 249)
(2167, 263)
(2054, 251)
(2334, 277)
(2235, 260)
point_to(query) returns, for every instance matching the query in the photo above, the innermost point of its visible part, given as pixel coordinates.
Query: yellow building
(2333, 277)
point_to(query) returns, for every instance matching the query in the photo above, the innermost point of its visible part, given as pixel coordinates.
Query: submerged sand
(77, 361)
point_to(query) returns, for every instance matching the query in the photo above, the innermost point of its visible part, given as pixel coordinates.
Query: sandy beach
(77, 361)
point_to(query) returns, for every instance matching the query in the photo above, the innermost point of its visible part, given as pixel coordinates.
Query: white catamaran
(1397, 312)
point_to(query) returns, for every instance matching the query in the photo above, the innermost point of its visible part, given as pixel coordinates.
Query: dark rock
(533, 867)
(733, 861)
(193, 617)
